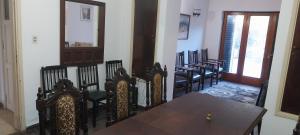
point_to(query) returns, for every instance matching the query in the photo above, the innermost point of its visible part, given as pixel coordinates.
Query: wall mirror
(82, 32)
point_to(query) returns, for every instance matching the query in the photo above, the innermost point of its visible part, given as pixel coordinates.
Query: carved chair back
(180, 59)
(88, 76)
(157, 81)
(193, 57)
(67, 108)
(111, 68)
(119, 105)
(50, 75)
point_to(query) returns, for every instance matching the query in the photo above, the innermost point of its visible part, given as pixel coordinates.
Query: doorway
(247, 46)
(10, 113)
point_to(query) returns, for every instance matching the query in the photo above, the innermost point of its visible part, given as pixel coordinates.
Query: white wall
(166, 41)
(215, 18)
(272, 124)
(41, 18)
(197, 25)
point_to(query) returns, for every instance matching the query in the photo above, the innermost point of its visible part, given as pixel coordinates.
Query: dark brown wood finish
(186, 115)
(157, 82)
(73, 56)
(268, 55)
(180, 59)
(144, 36)
(217, 64)
(50, 75)
(65, 117)
(290, 102)
(201, 70)
(119, 103)
(111, 68)
(193, 57)
(182, 76)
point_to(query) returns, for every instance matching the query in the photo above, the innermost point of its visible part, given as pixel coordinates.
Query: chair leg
(211, 80)
(199, 84)
(95, 112)
(259, 128)
(187, 89)
(217, 78)
(202, 82)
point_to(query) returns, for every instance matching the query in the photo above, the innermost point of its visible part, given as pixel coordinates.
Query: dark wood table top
(187, 116)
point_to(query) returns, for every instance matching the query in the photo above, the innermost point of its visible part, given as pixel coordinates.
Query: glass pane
(256, 46)
(81, 28)
(232, 42)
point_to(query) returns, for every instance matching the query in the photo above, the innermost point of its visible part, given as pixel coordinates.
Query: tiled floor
(6, 122)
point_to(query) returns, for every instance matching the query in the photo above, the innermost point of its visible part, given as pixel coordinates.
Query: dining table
(191, 114)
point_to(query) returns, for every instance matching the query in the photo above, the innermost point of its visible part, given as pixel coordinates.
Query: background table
(187, 116)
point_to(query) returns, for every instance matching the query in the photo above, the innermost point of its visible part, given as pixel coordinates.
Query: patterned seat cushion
(65, 115)
(122, 100)
(157, 79)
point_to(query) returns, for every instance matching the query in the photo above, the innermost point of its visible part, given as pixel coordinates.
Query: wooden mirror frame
(73, 56)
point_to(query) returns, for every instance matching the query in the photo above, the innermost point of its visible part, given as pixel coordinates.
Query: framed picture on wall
(85, 13)
(184, 27)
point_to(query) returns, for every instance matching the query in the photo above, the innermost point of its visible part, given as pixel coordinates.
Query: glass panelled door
(247, 46)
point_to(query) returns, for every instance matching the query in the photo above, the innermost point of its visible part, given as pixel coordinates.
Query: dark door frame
(268, 55)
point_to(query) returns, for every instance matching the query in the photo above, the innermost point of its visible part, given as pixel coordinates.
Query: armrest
(210, 65)
(215, 60)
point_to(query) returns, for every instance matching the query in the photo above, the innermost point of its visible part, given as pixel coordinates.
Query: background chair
(182, 76)
(119, 105)
(218, 64)
(202, 69)
(68, 106)
(297, 129)
(157, 81)
(50, 75)
(88, 77)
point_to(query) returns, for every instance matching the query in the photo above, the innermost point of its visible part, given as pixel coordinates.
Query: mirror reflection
(81, 25)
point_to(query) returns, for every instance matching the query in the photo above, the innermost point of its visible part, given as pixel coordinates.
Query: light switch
(34, 39)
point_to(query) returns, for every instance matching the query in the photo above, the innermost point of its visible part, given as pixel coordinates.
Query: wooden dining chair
(297, 129)
(182, 76)
(50, 75)
(88, 76)
(111, 68)
(119, 105)
(218, 64)
(68, 110)
(156, 80)
(202, 71)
